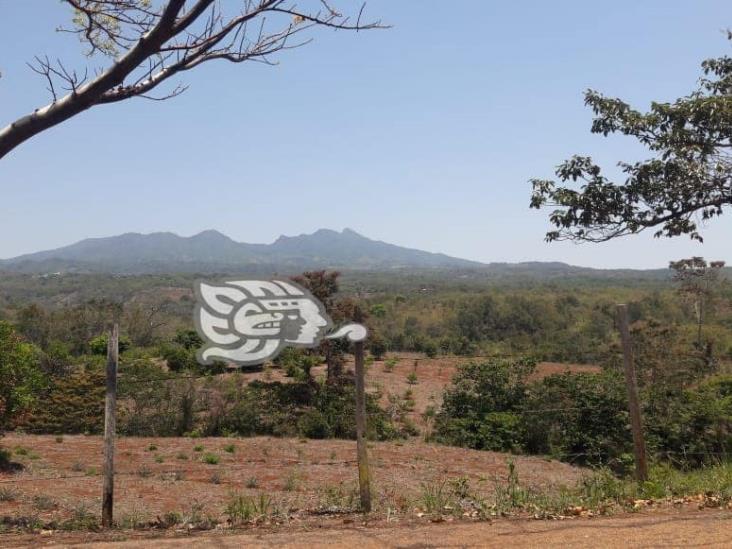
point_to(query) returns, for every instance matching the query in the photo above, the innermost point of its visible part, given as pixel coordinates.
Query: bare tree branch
(149, 42)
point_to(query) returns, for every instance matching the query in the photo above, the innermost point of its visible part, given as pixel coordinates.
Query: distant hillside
(211, 251)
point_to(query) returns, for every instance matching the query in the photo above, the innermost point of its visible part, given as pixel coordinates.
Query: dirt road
(674, 528)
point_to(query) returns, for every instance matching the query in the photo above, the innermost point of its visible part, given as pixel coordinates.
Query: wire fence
(238, 371)
(144, 472)
(585, 457)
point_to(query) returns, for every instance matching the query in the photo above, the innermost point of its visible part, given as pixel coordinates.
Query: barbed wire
(237, 371)
(146, 473)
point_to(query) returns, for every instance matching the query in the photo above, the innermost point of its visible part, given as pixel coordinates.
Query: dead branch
(150, 42)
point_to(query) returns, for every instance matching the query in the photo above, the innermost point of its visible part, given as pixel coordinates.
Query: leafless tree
(148, 42)
(144, 321)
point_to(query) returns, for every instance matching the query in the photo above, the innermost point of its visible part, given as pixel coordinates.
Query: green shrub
(377, 347)
(43, 502)
(580, 417)
(155, 409)
(313, 424)
(241, 508)
(389, 364)
(298, 409)
(480, 409)
(8, 494)
(98, 345)
(179, 358)
(20, 376)
(71, 404)
(188, 339)
(211, 459)
(691, 426)
(430, 349)
(298, 363)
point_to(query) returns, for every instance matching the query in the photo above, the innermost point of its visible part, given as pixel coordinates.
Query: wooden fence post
(110, 426)
(364, 480)
(636, 420)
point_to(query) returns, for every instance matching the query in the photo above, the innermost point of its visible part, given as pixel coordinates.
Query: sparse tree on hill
(688, 177)
(697, 281)
(143, 322)
(151, 43)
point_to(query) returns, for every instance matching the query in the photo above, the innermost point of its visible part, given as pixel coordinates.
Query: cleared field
(304, 478)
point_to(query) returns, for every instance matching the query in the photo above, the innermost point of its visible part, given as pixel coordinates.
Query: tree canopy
(688, 177)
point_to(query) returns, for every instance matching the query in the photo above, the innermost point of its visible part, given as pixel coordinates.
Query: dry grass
(305, 477)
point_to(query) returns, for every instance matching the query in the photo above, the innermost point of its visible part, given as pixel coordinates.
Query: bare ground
(160, 475)
(678, 529)
(314, 482)
(668, 528)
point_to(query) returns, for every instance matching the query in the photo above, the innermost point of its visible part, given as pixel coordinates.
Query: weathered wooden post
(636, 420)
(110, 426)
(364, 476)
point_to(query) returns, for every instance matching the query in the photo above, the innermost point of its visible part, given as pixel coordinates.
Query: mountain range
(212, 251)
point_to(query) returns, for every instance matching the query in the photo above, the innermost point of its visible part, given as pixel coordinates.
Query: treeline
(547, 323)
(557, 320)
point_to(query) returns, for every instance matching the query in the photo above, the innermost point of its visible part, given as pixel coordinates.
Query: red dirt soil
(304, 477)
(681, 528)
(297, 474)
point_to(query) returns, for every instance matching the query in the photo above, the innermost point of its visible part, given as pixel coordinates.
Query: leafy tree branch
(688, 179)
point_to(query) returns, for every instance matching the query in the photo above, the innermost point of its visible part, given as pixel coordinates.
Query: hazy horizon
(338, 230)
(424, 135)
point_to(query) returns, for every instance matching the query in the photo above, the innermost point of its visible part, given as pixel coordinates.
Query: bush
(479, 408)
(581, 417)
(313, 424)
(165, 408)
(211, 459)
(298, 409)
(377, 347)
(188, 339)
(179, 358)
(692, 426)
(430, 349)
(98, 345)
(298, 363)
(20, 375)
(71, 404)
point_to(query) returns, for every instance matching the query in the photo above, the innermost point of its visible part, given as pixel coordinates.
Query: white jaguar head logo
(250, 321)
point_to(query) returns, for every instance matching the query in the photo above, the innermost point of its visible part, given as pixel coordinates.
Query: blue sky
(424, 135)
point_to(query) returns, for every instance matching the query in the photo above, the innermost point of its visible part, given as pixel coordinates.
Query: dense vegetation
(57, 343)
(583, 418)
